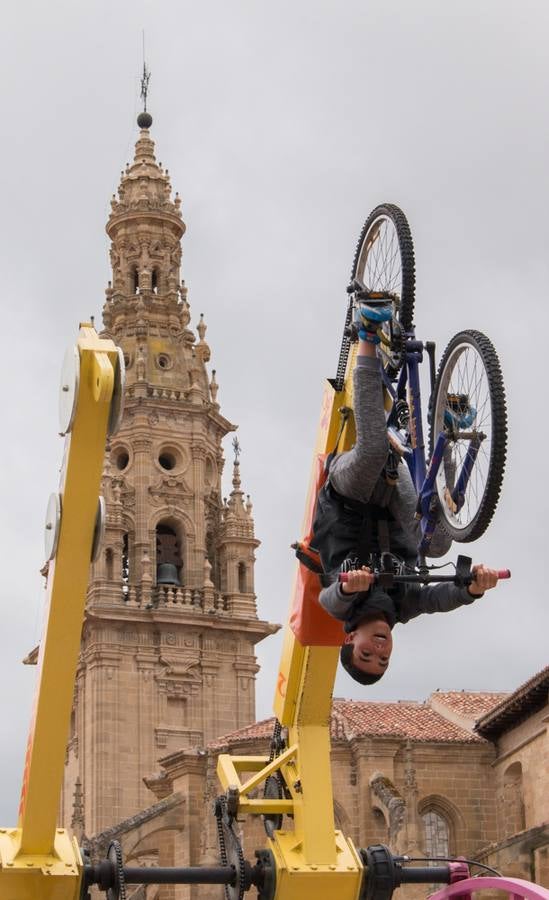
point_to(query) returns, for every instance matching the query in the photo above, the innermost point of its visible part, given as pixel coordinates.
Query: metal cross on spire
(237, 450)
(145, 78)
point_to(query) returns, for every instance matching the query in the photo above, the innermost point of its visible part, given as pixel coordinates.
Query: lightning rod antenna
(145, 78)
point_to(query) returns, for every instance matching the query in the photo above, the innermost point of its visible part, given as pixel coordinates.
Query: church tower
(167, 659)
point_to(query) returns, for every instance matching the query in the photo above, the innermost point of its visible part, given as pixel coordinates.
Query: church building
(167, 658)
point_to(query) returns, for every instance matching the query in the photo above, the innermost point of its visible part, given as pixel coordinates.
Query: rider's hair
(346, 658)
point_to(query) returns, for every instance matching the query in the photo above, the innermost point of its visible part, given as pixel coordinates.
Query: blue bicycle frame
(408, 387)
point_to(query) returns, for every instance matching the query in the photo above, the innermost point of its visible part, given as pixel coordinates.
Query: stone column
(142, 444)
(199, 550)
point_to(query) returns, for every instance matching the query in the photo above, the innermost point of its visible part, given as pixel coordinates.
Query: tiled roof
(471, 704)
(257, 731)
(356, 718)
(526, 700)
(416, 721)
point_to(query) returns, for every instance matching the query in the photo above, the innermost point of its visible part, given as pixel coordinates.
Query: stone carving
(384, 790)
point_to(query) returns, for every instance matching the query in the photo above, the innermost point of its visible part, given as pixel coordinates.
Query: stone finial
(236, 478)
(77, 818)
(249, 506)
(207, 573)
(201, 327)
(202, 348)
(214, 387)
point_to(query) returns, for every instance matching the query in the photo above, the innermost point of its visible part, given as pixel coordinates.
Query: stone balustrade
(168, 596)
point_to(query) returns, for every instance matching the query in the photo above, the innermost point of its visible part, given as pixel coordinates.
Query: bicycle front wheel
(468, 404)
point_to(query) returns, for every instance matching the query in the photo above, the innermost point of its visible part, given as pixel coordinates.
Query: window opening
(437, 834)
(168, 555)
(167, 460)
(122, 460)
(125, 565)
(242, 586)
(109, 563)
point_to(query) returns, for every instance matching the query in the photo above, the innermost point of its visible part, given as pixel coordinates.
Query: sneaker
(374, 313)
(371, 316)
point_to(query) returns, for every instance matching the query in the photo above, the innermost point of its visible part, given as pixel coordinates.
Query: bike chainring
(118, 889)
(273, 791)
(230, 851)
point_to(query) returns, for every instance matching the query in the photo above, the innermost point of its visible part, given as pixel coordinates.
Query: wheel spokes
(467, 408)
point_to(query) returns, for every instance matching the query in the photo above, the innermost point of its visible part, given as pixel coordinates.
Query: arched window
(242, 578)
(168, 554)
(134, 280)
(436, 833)
(154, 281)
(213, 557)
(513, 800)
(125, 564)
(109, 563)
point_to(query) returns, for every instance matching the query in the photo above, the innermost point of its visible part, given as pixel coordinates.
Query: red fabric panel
(310, 623)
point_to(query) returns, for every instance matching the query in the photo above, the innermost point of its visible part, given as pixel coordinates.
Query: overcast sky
(282, 124)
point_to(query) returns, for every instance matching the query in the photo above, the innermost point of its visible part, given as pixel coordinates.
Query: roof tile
(357, 718)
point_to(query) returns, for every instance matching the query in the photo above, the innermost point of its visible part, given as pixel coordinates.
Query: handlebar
(422, 578)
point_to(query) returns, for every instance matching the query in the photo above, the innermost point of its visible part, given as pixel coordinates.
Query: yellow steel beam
(50, 876)
(312, 860)
(298, 880)
(37, 859)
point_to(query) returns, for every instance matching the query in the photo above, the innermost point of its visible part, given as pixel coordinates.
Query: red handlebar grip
(504, 573)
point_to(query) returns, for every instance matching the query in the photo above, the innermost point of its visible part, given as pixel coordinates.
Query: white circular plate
(53, 526)
(68, 391)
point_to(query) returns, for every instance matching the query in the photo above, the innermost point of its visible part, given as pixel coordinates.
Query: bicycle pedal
(351, 332)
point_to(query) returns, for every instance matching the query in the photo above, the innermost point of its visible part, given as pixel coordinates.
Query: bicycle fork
(427, 507)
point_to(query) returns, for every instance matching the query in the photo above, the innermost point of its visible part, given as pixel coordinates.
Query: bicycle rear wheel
(468, 404)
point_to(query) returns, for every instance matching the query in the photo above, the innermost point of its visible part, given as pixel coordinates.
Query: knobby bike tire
(404, 314)
(407, 262)
(463, 529)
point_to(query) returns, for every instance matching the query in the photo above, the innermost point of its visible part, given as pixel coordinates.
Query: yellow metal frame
(312, 859)
(39, 861)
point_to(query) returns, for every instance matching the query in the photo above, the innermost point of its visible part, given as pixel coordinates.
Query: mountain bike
(458, 480)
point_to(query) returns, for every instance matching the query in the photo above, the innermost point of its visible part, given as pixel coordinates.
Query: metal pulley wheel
(68, 390)
(52, 526)
(99, 529)
(117, 402)
(118, 889)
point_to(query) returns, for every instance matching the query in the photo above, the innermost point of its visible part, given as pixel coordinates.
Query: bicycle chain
(224, 831)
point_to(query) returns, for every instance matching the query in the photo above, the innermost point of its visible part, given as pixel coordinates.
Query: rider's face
(372, 645)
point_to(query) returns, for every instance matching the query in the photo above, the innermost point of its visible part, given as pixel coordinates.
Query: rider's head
(367, 650)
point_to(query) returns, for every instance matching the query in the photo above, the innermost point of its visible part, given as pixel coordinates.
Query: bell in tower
(168, 557)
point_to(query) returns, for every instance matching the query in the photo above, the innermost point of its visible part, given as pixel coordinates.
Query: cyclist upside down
(367, 509)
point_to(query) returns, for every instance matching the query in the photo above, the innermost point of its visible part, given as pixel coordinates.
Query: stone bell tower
(167, 657)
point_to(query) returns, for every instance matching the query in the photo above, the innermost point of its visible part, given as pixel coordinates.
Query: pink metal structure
(514, 887)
